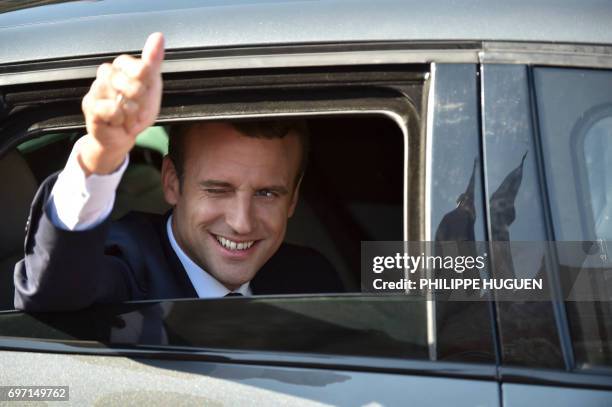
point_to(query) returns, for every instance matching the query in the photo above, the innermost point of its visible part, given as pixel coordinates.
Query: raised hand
(123, 101)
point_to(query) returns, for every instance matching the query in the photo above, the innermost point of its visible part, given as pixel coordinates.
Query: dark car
(475, 121)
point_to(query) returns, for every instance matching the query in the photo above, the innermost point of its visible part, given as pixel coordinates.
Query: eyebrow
(213, 183)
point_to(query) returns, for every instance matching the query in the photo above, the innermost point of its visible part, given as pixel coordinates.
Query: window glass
(361, 326)
(575, 112)
(597, 150)
(527, 330)
(463, 328)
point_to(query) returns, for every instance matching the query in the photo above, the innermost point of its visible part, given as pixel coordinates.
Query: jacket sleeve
(66, 270)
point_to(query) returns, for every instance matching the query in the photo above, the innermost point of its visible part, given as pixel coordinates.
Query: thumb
(153, 50)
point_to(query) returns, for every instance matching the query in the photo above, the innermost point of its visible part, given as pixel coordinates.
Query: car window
(355, 189)
(456, 206)
(358, 326)
(597, 159)
(334, 215)
(575, 118)
(527, 329)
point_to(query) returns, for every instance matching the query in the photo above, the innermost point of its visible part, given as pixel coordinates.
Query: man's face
(231, 213)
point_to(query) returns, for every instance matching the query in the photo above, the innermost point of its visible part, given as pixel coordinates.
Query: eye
(216, 191)
(266, 193)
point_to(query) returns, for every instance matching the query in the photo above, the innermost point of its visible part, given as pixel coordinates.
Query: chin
(235, 278)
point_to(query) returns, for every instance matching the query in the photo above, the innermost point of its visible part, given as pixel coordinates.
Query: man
(232, 188)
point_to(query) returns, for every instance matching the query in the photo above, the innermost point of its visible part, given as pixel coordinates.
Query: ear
(170, 182)
(295, 197)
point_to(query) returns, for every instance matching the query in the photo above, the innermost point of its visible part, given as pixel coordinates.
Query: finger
(101, 87)
(153, 51)
(130, 115)
(128, 87)
(104, 70)
(107, 111)
(130, 106)
(89, 100)
(85, 103)
(132, 67)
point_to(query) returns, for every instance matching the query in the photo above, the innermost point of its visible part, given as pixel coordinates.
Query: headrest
(140, 190)
(18, 187)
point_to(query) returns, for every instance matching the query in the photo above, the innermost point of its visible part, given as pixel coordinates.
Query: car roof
(59, 30)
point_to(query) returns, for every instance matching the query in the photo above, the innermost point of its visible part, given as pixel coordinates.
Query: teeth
(229, 244)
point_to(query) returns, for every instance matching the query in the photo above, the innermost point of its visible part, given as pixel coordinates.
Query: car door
(343, 349)
(545, 142)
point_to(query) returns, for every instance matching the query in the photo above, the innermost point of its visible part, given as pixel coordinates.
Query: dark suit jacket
(132, 259)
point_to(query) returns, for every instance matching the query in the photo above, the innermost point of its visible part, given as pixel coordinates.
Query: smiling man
(232, 187)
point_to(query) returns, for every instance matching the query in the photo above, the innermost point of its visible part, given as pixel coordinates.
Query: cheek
(273, 217)
(200, 212)
(206, 215)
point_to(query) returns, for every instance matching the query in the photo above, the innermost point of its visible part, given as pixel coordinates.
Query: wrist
(97, 159)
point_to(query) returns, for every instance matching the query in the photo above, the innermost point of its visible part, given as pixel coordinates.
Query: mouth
(235, 247)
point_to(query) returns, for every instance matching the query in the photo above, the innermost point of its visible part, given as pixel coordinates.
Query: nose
(239, 214)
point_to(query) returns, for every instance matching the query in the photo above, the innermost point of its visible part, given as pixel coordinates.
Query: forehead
(218, 149)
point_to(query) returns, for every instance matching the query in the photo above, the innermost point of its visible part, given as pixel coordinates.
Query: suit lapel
(175, 265)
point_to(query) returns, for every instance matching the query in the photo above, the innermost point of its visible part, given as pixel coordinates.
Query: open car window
(364, 182)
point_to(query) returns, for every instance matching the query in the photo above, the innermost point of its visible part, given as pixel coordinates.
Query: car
(486, 122)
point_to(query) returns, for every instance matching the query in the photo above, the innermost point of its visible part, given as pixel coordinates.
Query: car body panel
(523, 395)
(94, 379)
(214, 24)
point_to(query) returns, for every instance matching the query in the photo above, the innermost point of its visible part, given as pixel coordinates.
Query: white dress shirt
(205, 285)
(79, 202)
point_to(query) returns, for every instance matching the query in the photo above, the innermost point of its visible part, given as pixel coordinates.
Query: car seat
(139, 190)
(18, 189)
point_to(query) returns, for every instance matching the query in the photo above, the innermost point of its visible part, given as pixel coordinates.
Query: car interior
(352, 190)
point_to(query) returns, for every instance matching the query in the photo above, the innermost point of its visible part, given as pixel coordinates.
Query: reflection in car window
(527, 330)
(575, 111)
(598, 165)
(391, 326)
(463, 329)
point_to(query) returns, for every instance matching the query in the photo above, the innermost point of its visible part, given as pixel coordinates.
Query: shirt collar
(206, 286)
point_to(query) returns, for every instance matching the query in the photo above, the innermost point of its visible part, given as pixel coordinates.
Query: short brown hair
(268, 129)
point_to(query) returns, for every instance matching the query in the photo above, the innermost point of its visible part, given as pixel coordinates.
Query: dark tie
(231, 294)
